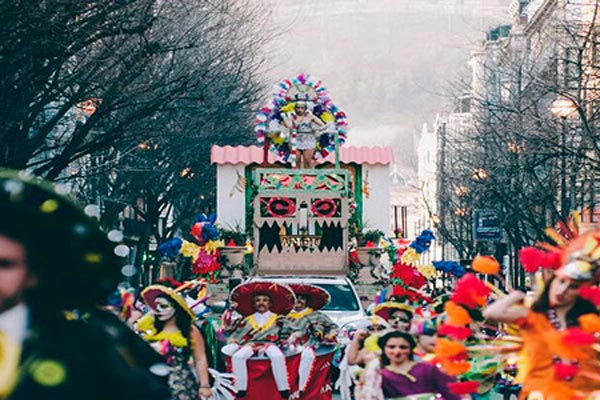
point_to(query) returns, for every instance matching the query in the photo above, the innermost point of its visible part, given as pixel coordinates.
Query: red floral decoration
(470, 292)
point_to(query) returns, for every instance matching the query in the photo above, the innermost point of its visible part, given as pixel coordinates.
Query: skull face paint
(163, 309)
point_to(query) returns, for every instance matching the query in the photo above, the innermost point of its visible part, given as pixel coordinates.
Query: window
(342, 297)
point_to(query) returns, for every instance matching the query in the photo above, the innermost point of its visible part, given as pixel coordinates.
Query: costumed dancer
(396, 375)
(363, 347)
(302, 124)
(559, 361)
(53, 257)
(171, 331)
(426, 338)
(310, 327)
(264, 306)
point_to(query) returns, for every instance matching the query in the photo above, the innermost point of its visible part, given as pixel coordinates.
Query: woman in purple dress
(397, 376)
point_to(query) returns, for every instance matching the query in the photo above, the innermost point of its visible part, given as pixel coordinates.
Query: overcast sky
(385, 62)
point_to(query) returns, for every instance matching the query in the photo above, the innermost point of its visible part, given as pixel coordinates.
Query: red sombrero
(384, 309)
(150, 294)
(317, 297)
(282, 297)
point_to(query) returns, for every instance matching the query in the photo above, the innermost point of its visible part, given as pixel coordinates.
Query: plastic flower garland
(269, 120)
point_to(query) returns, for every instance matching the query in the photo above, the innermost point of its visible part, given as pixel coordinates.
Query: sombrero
(282, 296)
(150, 294)
(66, 249)
(317, 297)
(384, 309)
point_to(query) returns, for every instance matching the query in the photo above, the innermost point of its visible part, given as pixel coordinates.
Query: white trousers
(307, 357)
(239, 356)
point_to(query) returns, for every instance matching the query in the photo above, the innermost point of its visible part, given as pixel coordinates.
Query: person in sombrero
(262, 329)
(310, 327)
(398, 315)
(171, 331)
(53, 257)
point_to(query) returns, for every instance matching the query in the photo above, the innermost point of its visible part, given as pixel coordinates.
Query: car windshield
(342, 297)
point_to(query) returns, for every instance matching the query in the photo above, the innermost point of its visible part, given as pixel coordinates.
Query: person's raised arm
(353, 349)
(507, 309)
(200, 362)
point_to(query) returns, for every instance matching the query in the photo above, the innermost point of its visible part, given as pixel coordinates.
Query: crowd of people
(59, 339)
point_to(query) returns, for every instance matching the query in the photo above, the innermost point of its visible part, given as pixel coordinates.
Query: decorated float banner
(261, 385)
(271, 125)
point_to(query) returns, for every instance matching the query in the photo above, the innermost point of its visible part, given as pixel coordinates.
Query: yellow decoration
(249, 248)
(92, 258)
(270, 322)
(327, 117)
(590, 245)
(278, 140)
(10, 354)
(175, 338)
(371, 344)
(428, 271)
(146, 325)
(212, 246)
(410, 256)
(48, 372)
(289, 107)
(583, 266)
(189, 249)
(296, 315)
(49, 206)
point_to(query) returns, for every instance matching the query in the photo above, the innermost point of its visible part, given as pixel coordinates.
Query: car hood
(343, 317)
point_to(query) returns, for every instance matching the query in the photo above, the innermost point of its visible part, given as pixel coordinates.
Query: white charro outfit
(262, 329)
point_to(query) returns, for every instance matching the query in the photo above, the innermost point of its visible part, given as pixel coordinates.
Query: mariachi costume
(44, 355)
(258, 332)
(314, 327)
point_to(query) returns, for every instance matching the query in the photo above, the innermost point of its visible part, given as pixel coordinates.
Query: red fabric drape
(261, 385)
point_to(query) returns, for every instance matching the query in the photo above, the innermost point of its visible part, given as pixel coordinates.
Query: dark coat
(65, 360)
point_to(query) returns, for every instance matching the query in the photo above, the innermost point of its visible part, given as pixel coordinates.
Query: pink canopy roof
(348, 154)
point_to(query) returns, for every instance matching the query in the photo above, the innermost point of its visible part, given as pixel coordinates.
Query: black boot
(285, 394)
(240, 394)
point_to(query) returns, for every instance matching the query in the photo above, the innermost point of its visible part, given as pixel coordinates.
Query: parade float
(302, 220)
(275, 218)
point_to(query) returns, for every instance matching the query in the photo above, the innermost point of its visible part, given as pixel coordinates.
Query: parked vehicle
(344, 306)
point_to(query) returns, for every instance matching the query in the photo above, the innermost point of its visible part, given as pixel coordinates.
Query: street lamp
(562, 108)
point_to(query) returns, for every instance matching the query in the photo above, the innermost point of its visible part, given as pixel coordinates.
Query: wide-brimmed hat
(316, 296)
(74, 261)
(150, 294)
(282, 296)
(385, 309)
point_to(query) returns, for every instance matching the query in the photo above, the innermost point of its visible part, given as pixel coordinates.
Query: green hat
(72, 258)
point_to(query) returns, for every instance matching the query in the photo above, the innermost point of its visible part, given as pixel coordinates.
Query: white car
(345, 305)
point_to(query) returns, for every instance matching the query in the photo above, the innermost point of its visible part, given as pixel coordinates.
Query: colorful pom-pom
(455, 332)
(590, 293)
(454, 367)
(590, 323)
(485, 265)
(449, 349)
(462, 388)
(565, 372)
(457, 315)
(578, 337)
(470, 292)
